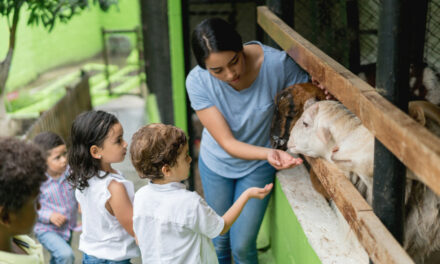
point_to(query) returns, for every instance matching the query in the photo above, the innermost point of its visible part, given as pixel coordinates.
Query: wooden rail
(59, 118)
(379, 243)
(415, 146)
(410, 142)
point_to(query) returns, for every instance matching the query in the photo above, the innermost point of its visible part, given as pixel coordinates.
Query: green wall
(288, 242)
(37, 50)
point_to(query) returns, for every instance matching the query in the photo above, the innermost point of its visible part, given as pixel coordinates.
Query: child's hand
(260, 193)
(57, 219)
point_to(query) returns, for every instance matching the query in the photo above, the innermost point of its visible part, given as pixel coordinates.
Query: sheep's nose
(290, 145)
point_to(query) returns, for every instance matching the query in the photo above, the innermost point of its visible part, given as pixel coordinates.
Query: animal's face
(307, 137)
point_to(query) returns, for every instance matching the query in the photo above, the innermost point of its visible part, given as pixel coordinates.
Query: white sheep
(329, 130)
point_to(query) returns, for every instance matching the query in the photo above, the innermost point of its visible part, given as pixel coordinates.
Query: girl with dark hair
(104, 195)
(232, 91)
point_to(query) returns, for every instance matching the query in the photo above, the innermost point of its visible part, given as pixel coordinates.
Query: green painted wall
(177, 63)
(288, 242)
(38, 51)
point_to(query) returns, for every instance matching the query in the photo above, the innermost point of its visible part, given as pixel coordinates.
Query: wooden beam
(412, 144)
(379, 243)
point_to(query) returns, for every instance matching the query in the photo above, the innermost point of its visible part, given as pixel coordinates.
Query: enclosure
(336, 42)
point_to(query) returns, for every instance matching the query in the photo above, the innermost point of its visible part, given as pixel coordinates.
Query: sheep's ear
(309, 102)
(324, 135)
(313, 109)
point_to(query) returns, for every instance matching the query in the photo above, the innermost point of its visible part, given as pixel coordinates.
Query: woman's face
(227, 66)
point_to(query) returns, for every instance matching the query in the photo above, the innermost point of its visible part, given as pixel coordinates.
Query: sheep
(328, 130)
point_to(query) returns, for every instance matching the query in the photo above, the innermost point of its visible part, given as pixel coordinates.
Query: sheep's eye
(305, 124)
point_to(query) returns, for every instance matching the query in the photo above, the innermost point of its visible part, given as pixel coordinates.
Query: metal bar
(154, 17)
(119, 31)
(392, 79)
(419, 10)
(354, 57)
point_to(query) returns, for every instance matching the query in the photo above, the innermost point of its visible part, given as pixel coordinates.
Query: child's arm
(46, 215)
(232, 214)
(121, 206)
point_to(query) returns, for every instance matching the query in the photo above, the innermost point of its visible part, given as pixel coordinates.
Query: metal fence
(59, 118)
(432, 40)
(333, 27)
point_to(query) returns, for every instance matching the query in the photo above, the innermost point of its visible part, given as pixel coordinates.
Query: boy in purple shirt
(57, 216)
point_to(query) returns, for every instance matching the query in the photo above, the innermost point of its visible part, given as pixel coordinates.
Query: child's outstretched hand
(57, 219)
(260, 193)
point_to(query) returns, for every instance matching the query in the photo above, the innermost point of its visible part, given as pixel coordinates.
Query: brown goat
(289, 108)
(289, 105)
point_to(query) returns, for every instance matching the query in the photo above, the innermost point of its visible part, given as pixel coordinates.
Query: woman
(232, 91)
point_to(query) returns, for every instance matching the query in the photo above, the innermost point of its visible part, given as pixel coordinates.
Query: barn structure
(333, 41)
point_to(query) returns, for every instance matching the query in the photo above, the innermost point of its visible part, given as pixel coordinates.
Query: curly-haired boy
(22, 168)
(172, 224)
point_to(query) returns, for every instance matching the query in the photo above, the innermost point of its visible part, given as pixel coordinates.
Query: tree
(44, 12)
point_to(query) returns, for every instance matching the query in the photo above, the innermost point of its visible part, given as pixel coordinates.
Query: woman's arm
(217, 126)
(120, 206)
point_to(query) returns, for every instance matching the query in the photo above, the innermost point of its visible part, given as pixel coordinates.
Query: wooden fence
(59, 118)
(410, 142)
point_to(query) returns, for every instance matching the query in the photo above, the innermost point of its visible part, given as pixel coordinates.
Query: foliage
(41, 12)
(47, 12)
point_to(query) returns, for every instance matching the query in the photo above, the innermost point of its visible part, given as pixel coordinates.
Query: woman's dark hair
(88, 129)
(47, 141)
(214, 35)
(22, 170)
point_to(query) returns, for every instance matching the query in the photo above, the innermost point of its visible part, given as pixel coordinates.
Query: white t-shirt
(102, 234)
(174, 225)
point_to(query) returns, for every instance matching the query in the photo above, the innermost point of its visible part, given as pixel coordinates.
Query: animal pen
(408, 141)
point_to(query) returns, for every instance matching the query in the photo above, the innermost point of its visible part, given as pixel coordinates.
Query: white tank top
(102, 234)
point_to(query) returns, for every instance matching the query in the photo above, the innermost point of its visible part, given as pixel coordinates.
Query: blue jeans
(60, 250)
(87, 259)
(220, 194)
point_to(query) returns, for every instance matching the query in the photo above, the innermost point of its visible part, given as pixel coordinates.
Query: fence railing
(410, 142)
(59, 118)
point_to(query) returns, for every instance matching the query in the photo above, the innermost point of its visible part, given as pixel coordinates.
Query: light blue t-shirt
(248, 112)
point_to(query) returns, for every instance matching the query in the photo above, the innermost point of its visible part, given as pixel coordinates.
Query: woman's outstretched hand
(282, 160)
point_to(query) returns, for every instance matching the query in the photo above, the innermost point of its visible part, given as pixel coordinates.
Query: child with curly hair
(172, 224)
(22, 168)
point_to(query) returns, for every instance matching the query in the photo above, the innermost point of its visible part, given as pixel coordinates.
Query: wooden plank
(411, 143)
(379, 243)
